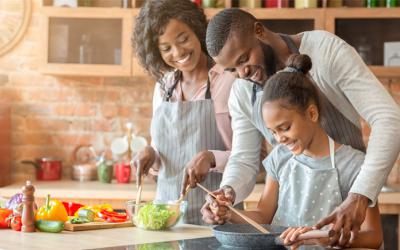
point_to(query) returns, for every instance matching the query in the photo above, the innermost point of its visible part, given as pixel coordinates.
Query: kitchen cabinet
(110, 30)
(86, 41)
(366, 29)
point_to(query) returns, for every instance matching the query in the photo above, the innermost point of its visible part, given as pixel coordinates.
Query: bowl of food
(156, 215)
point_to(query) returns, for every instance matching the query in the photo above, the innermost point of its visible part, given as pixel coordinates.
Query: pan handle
(31, 163)
(316, 234)
(313, 234)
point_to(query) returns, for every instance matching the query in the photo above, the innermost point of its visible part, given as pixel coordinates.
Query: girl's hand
(143, 162)
(216, 211)
(290, 238)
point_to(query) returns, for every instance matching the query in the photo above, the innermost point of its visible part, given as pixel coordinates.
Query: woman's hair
(292, 86)
(151, 23)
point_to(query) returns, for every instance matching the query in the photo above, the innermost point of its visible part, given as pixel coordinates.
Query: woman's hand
(197, 169)
(143, 162)
(290, 238)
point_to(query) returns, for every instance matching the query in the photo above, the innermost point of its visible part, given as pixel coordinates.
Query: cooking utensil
(183, 195)
(244, 235)
(247, 219)
(138, 196)
(47, 168)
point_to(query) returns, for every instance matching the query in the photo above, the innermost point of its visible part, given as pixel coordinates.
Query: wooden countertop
(97, 238)
(94, 190)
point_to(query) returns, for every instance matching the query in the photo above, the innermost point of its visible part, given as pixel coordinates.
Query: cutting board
(95, 225)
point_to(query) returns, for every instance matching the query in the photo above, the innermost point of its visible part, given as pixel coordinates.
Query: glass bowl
(156, 215)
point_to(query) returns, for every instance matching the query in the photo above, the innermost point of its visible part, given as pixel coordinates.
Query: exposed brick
(395, 88)
(27, 138)
(73, 139)
(50, 124)
(109, 110)
(78, 109)
(126, 111)
(29, 109)
(3, 79)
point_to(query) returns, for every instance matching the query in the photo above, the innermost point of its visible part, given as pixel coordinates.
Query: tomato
(16, 223)
(4, 214)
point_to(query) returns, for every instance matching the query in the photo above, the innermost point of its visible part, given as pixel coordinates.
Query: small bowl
(177, 211)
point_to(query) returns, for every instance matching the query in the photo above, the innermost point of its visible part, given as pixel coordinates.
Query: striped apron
(179, 131)
(335, 124)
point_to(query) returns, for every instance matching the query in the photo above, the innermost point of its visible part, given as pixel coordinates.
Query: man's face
(248, 58)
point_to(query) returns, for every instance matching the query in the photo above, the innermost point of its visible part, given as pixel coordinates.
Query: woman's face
(179, 46)
(291, 127)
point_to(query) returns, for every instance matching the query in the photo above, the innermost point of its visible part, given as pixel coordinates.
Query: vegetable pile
(153, 216)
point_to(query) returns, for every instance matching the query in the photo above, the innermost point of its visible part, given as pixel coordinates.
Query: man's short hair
(225, 23)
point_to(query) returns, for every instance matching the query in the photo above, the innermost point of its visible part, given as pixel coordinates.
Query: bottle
(28, 219)
(371, 3)
(391, 3)
(364, 49)
(85, 50)
(209, 3)
(301, 4)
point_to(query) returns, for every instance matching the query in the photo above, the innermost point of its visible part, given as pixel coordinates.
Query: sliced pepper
(71, 207)
(53, 210)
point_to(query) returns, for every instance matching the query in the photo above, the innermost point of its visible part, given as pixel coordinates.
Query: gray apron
(179, 131)
(306, 194)
(335, 124)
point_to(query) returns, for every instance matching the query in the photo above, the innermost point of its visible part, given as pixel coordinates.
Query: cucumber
(86, 214)
(49, 226)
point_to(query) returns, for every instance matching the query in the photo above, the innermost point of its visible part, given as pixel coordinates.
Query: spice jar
(105, 171)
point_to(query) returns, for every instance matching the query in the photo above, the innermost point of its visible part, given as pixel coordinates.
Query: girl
(190, 128)
(308, 174)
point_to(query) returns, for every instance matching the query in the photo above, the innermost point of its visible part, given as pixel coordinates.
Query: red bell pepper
(4, 214)
(71, 207)
(112, 216)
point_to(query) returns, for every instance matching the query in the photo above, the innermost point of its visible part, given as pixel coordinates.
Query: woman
(190, 129)
(308, 173)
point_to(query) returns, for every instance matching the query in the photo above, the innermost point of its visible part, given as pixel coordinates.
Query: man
(242, 45)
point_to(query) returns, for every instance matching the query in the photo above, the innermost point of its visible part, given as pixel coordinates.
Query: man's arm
(378, 109)
(243, 164)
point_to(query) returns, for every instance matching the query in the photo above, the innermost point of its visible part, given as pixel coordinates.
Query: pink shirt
(220, 87)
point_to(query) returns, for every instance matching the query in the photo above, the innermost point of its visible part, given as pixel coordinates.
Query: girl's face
(291, 127)
(179, 46)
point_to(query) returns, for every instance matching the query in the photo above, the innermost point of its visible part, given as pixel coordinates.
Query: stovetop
(209, 243)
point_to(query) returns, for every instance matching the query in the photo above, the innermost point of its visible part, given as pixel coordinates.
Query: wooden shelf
(382, 71)
(306, 19)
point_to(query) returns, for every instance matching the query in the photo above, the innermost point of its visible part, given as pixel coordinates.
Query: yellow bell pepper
(53, 210)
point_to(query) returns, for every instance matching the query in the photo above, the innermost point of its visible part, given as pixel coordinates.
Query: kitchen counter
(117, 194)
(97, 238)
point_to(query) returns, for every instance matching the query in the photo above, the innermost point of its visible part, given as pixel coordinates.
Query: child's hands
(290, 238)
(219, 207)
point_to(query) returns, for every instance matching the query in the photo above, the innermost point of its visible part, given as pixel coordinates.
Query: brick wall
(52, 115)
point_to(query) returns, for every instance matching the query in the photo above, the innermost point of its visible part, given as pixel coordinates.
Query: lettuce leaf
(153, 216)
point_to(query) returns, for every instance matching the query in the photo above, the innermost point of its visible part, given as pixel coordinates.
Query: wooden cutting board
(95, 225)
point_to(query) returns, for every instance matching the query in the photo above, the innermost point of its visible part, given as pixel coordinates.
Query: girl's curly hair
(151, 23)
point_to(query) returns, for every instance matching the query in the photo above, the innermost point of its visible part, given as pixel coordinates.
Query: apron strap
(332, 151)
(177, 78)
(290, 43)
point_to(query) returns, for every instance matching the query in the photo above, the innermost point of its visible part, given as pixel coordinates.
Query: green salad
(153, 216)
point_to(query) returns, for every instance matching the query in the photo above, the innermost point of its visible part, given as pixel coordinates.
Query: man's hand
(197, 169)
(217, 211)
(143, 162)
(346, 219)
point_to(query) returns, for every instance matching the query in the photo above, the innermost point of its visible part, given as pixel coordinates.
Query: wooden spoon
(138, 196)
(250, 221)
(183, 195)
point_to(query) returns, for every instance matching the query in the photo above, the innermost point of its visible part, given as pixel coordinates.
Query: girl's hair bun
(301, 62)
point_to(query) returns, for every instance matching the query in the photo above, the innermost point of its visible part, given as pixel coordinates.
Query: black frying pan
(246, 236)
